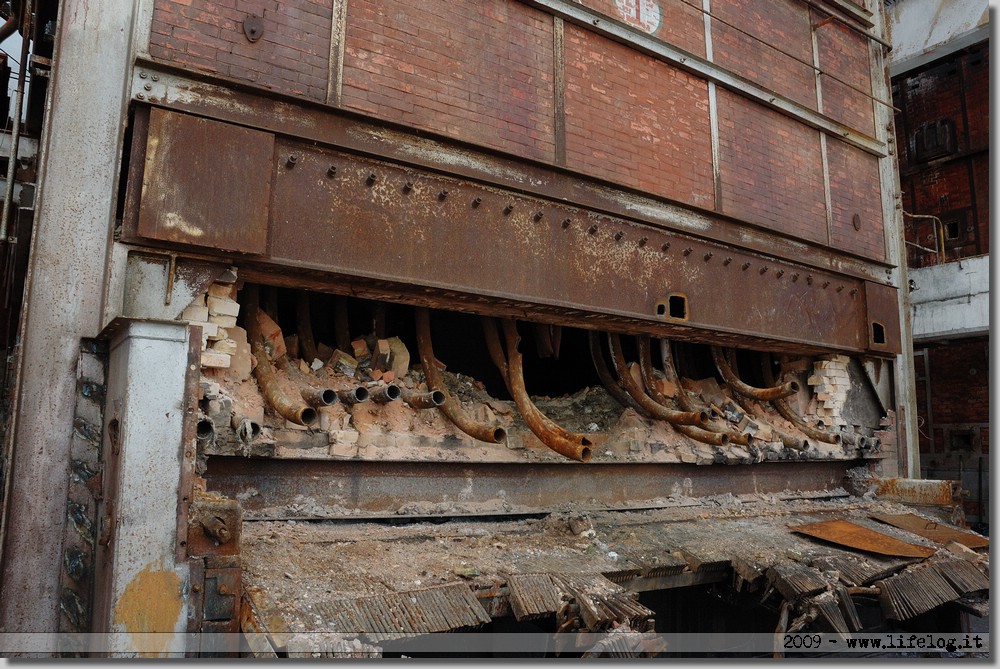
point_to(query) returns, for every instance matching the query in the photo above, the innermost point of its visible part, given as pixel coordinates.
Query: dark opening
(878, 333)
(951, 230)
(661, 309)
(678, 306)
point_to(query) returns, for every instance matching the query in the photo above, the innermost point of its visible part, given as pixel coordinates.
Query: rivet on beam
(708, 256)
(746, 266)
(292, 159)
(370, 181)
(565, 223)
(643, 240)
(593, 229)
(442, 195)
(408, 186)
(332, 172)
(538, 216)
(476, 202)
(727, 261)
(506, 210)
(665, 247)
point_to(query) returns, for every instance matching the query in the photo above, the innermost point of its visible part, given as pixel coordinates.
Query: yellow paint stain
(149, 608)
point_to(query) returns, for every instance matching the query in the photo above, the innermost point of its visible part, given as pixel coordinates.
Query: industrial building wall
(511, 77)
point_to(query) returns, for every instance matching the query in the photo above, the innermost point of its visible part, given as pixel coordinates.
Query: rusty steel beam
(307, 346)
(493, 434)
(748, 391)
(570, 444)
(293, 410)
(387, 489)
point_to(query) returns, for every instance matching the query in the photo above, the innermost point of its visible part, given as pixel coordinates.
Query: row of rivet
(407, 187)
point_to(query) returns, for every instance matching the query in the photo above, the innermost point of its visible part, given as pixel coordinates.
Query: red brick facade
(942, 131)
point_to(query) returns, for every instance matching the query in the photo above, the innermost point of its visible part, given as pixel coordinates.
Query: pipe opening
(585, 453)
(328, 396)
(205, 429)
(308, 416)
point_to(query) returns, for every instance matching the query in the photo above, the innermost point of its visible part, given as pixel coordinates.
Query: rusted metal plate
(360, 217)
(882, 303)
(932, 530)
(849, 534)
(918, 491)
(304, 489)
(205, 183)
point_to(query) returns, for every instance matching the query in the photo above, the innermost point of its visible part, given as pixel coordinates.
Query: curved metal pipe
(857, 440)
(307, 345)
(297, 412)
(738, 386)
(493, 434)
(608, 381)
(667, 358)
(353, 396)
(319, 397)
(428, 400)
(788, 414)
(654, 408)
(387, 393)
(569, 444)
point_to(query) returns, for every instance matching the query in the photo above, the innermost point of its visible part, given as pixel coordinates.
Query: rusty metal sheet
(930, 529)
(205, 183)
(849, 534)
(882, 305)
(918, 491)
(356, 216)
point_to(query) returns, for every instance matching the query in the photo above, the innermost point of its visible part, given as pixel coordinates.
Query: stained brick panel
(843, 54)
(636, 121)
(675, 21)
(475, 71)
(771, 169)
(855, 189)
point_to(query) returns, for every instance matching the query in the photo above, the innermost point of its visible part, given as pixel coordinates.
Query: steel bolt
(688, 251)
(408, 186)
(155, 78)
(643, 240)
(763, 270)
(442, 195)
(142, 75)
(746, 266)
(708, 256)
(147, 87)
(370, 181)
(795, 277)
(854, 291)
(292, 159)
(780, 273)
(477, 201)
(332, 172)
(593, 229)
(565, 223)
(506, 210)
(195, 588)
(826, 283)
(223, 589)
(809, 279)
(727, 261)
(140, 96)
(538, 216)
(619, 235)
(840, 288)
(665, 247)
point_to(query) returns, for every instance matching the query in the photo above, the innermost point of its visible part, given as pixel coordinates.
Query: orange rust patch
(149, 608)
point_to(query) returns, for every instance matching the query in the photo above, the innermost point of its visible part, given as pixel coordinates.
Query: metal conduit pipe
(738, 386)
(295, 411)
(205, 428)
(418, 400)
(387, 393)
(569, 444)
(655, 406)
(604, 374)
(319, 397)
(697, 433)
(492, 434)
(857, 440)
(307, 345)
(352, 396)
(667, 359)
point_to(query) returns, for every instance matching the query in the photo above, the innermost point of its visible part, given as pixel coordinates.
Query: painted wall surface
(924, 30)
(951, 300)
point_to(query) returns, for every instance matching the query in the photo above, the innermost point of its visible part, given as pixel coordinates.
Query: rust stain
(149, 608)
(932, 530)
(917, 491)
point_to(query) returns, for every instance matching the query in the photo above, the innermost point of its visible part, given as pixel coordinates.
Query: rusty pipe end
(585, 454)
(246, 430)
(499, 435)
(437, 399)
(319, 396)
(723, 439)
(386, 393)
(793, 386)
(205, 429)
(353, 395)
(306, 416)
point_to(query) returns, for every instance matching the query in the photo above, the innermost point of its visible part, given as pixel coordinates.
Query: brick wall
(782, 23)
(679, 22)
(952, 184)
(854, 185)
(291, 57)
(771, 169)
(958, 387)
(637, 121)
(476, 71)
(843, 57)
